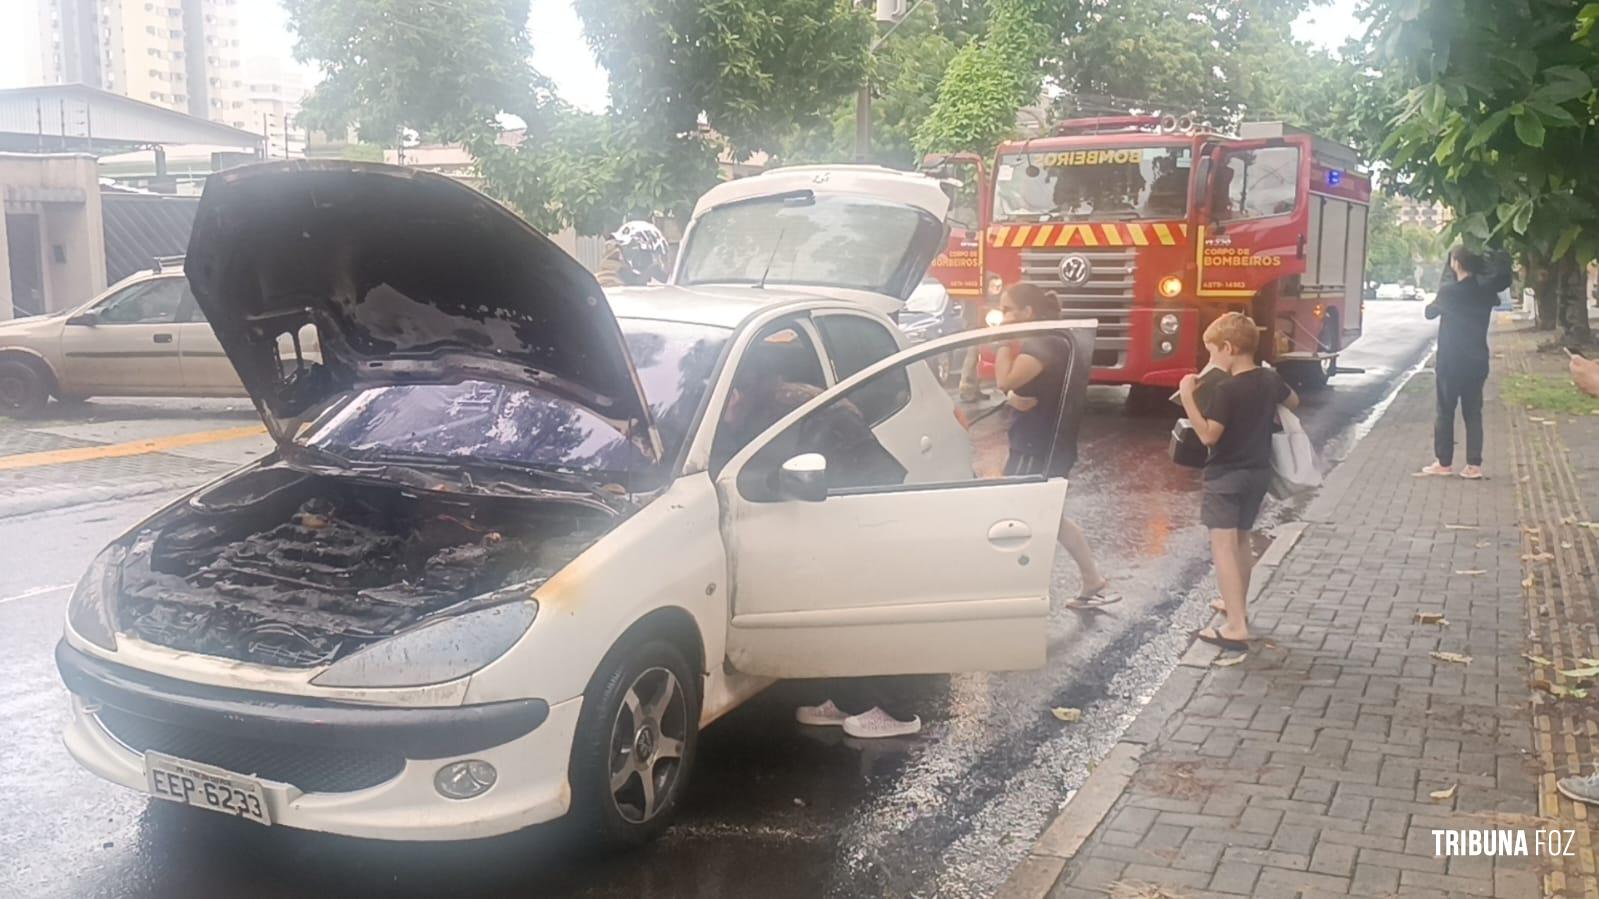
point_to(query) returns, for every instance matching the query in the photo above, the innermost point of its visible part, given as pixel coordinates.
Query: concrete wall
(64, 191)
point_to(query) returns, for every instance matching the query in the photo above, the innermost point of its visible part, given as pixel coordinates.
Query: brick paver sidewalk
(1322, 764)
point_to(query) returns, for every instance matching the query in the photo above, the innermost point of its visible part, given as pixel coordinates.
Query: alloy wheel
(647, 740)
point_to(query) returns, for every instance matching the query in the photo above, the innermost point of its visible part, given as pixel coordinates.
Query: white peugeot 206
(519, 541)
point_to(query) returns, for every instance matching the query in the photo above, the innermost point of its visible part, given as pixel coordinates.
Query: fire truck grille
(1107, 294)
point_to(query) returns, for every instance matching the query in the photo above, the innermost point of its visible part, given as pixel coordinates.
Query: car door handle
(1010, 534)
(162, 338)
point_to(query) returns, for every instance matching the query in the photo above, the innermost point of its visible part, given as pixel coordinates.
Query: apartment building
(180, 54)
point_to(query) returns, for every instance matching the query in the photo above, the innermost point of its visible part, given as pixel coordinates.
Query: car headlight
(434, 653)
(1170, 286)
(1169, 323)
(92, 609)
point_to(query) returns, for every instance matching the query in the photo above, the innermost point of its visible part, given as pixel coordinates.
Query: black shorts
(1022, 463)
(1232, 498)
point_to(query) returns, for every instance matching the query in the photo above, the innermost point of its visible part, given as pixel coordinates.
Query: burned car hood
(407, 277)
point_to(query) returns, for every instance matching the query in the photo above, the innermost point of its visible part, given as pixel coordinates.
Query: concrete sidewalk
(1322, 764)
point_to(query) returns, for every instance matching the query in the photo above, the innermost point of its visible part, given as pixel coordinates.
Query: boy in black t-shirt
(1237, 427)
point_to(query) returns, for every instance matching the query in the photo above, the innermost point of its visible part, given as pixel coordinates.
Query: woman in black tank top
(1033, 374)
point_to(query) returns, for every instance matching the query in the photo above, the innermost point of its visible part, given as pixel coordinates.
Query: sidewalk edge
(50, 501)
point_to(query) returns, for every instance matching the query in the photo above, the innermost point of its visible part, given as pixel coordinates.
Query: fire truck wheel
(1308, 375)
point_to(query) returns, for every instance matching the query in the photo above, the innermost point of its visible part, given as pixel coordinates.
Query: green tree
(993, 76)
(394, 65)
(1498, 124)
(1387, 255)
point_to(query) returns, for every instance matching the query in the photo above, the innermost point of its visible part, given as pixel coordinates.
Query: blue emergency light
(1334, 177)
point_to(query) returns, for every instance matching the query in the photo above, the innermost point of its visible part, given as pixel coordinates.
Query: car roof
(719, 307)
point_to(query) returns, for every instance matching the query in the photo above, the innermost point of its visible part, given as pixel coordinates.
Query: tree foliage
(1497, 122)
(387, 67)
(994, 75)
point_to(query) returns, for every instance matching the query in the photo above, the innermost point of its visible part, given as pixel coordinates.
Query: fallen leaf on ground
(1565, 544)
(1533, 531)
(1445, 794)
(1569, 519)
(1537, 557)
(1451, 657)
(1482, 544)
(1590, 671)
(1537, 660)
(1228, 661)
(1460, 527)
(1527, 582)
(1473, 572)
(1559, 691)
(1530, 418)
(1067, 715)
(1431, 618)
(1591, 525)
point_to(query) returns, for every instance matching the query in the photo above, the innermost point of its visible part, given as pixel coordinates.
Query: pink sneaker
(824, 715)
(1433, 469)
(1472, 472)
(877, 724)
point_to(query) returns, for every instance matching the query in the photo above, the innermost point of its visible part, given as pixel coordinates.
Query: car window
(674, 361)
(1256, 183)
(150, 302)
(854, 342)
(779, 372)
(189, 310)
(862, 457)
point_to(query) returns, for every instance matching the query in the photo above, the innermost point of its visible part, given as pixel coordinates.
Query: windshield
(801, 238)
(523, 426)
(1115, 183)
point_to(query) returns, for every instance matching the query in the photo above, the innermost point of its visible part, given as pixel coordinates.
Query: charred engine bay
(296, 570)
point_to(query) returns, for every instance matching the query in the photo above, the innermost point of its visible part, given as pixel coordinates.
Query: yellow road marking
(130, 448)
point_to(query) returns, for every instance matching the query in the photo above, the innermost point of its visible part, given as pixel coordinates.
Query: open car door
(844, 564)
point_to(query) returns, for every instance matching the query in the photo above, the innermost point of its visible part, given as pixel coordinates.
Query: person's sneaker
(824, 715)
(1433, 469)
(1472, 472)
(1580, 789)
(877, 724)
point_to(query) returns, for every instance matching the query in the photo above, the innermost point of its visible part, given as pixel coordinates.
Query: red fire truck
(1155, 228)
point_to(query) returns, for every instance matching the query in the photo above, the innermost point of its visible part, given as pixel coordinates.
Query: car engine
(299, 570)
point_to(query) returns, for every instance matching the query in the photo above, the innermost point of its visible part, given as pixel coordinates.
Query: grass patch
(1550, 393)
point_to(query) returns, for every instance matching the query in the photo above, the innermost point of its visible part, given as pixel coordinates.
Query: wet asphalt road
(775, 811)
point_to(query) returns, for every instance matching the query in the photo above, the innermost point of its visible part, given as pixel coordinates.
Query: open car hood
(858, 231)
(408, 277)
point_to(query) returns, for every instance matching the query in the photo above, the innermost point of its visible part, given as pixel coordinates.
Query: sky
(559, 50)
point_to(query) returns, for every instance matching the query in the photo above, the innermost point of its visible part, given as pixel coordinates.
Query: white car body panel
(876, 182)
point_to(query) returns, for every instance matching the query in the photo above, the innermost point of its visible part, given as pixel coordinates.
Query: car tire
(23, 391)
(643, 704)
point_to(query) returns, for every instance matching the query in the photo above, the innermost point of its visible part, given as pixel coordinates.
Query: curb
(51, 500)
(1090, 803)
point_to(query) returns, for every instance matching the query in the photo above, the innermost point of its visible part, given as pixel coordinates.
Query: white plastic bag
(1293, 459)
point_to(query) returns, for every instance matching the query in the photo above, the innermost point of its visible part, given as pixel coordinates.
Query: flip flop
(1093, 600)
(1215, 638)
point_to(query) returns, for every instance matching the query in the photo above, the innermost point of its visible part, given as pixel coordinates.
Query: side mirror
(804, 477)
(90, 318)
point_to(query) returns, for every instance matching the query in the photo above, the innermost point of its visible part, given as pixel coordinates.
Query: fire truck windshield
(1093, 183)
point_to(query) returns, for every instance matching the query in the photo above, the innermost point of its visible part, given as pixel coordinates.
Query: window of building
(177, 34)
(150, 29)
(181, 98)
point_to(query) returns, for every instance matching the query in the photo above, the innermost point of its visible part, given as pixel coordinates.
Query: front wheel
(635, 744)
(23, 392)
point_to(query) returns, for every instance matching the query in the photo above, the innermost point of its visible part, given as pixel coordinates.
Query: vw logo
(1075, 269)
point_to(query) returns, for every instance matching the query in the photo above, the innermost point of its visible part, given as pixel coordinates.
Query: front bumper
(370, 768)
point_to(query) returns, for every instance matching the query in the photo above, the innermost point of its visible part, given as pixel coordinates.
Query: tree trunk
(1541, 277)
(1574, 303)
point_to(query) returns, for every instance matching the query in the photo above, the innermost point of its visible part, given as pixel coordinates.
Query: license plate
(202, 786)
